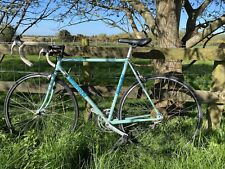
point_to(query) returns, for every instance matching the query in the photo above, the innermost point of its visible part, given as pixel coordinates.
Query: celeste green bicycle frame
(110, 122)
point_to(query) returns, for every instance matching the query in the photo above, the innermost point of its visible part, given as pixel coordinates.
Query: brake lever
(47, 53)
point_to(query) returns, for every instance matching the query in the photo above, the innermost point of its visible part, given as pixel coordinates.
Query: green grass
(90, 148)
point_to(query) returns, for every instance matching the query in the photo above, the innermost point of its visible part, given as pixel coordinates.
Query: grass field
(90, 148)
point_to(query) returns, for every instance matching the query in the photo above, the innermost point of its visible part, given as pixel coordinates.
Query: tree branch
(45, 13)
(202, 7)
(5, 11)
(145, 13)
(211, 36)
(24, 11)
(129, 14)
(193, 14)
(188, 8)
(212, 26)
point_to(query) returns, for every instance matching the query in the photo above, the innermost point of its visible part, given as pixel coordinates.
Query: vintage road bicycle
(151, 104)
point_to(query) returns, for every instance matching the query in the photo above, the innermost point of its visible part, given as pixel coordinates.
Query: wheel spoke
(25, 97)
(168, 96)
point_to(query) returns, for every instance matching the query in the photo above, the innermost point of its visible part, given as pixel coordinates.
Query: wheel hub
(40, 112)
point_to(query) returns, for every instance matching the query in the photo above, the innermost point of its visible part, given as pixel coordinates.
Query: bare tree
(163, 16)
(204, 18)
(24, 14)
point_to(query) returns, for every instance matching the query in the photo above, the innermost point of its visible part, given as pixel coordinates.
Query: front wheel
(26, 96)
(177, 102)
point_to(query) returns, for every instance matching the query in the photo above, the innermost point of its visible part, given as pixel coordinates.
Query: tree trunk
(168, 18)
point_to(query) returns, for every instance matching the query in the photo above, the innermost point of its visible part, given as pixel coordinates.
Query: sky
(91, 28)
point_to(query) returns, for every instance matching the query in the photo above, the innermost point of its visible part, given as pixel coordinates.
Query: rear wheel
(27, 95)
(182, 114)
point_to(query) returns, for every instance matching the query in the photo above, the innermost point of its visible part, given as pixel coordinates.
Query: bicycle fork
(49, 94)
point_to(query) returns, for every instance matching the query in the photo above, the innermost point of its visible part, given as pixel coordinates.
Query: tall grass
(88, 148)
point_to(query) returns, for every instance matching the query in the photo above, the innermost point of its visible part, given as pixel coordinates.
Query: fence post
(84, 42)
(86, 78)
(214, 111)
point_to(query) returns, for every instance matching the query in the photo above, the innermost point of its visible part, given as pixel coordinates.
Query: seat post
(129, 54)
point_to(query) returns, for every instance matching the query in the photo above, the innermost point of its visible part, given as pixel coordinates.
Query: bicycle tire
(168, 94)
(27, 95)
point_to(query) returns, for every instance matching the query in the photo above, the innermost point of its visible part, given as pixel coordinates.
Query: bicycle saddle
(136, 42)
